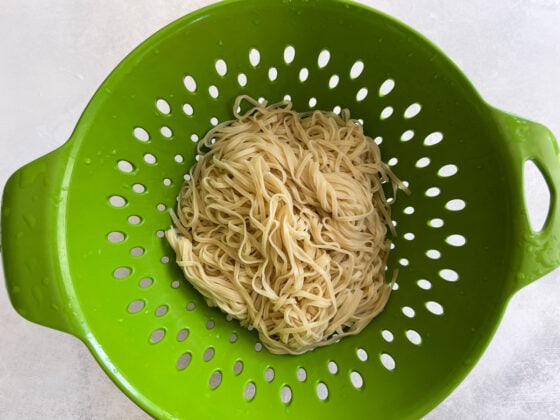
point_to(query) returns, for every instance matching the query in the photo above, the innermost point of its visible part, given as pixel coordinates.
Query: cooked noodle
(283, 225)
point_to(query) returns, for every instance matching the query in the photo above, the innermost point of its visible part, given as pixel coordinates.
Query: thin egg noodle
(283, 224)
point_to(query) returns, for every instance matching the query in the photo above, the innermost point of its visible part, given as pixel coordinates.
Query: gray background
(53, 56)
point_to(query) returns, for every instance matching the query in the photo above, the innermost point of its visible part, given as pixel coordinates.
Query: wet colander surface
(83, 227)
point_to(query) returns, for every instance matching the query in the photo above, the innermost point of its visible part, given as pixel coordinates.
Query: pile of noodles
(283, 225)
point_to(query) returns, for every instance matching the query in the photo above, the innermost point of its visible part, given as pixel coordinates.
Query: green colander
(82, 227)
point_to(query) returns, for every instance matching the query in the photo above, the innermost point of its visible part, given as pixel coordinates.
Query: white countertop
(54, 55)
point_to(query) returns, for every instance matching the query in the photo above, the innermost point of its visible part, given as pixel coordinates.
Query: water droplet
(30, 220)
(37, 294)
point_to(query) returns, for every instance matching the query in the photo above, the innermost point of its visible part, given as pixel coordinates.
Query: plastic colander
(82, 227)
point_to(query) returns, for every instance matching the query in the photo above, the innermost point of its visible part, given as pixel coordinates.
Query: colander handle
(539, 252)
(31, 242)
